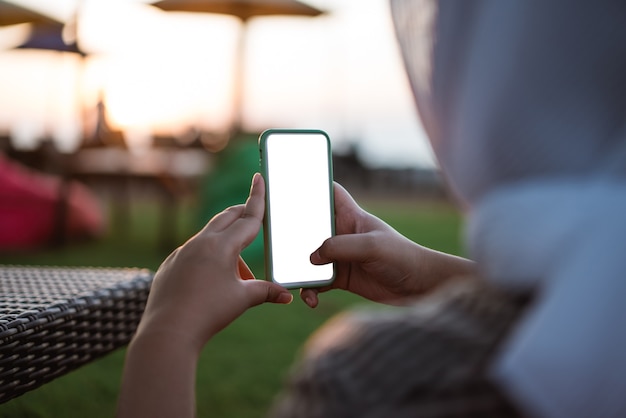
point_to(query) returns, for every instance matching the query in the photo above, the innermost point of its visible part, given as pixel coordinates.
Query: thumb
(345, 248)
(261, 291)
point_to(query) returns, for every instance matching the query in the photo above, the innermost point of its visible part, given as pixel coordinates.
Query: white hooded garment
(525, 106)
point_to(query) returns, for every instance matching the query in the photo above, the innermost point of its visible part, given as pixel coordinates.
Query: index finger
(245, 228)
(223, 219)
(310, 295)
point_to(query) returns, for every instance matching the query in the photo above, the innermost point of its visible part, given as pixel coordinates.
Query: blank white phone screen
(298, 194)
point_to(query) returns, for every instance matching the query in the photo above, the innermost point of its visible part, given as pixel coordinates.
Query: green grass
(433, 224)
(241, 369)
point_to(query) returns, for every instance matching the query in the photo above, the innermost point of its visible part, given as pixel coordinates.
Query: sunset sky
(164, 72)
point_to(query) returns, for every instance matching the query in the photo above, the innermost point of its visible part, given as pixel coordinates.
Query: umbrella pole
(239, 79)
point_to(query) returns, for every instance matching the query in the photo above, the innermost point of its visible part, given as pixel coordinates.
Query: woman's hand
(204, 284)
(375, 261)
(199, 289)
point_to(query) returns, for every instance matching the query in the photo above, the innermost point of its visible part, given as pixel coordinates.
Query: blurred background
(125, 125)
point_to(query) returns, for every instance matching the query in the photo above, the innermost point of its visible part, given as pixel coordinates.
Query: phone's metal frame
(269, 275)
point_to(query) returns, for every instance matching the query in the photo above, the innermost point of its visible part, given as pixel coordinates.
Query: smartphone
(299, 205)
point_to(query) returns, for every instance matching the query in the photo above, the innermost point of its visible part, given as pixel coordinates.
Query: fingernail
(285, 298)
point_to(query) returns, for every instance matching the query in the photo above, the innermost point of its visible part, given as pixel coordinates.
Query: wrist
(437, 268)
(163, 345)
(171, 338)
(164, 325)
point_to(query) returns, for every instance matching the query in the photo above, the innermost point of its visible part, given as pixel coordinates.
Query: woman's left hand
(204, 285)
(199, 289)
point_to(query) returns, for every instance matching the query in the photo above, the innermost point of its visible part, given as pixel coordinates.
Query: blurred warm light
(38, 104)
(138, 139)
(173, 73)
(11, 36)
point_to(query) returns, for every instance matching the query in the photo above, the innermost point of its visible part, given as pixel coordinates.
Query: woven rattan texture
(53, 320)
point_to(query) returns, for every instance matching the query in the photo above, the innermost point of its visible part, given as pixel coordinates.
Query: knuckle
(208, 243)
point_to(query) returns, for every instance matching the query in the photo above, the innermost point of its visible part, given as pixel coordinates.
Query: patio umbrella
(50, 36)
(12, 14)
(243, 10)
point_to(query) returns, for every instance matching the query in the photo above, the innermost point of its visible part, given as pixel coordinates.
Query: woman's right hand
(375, 261)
